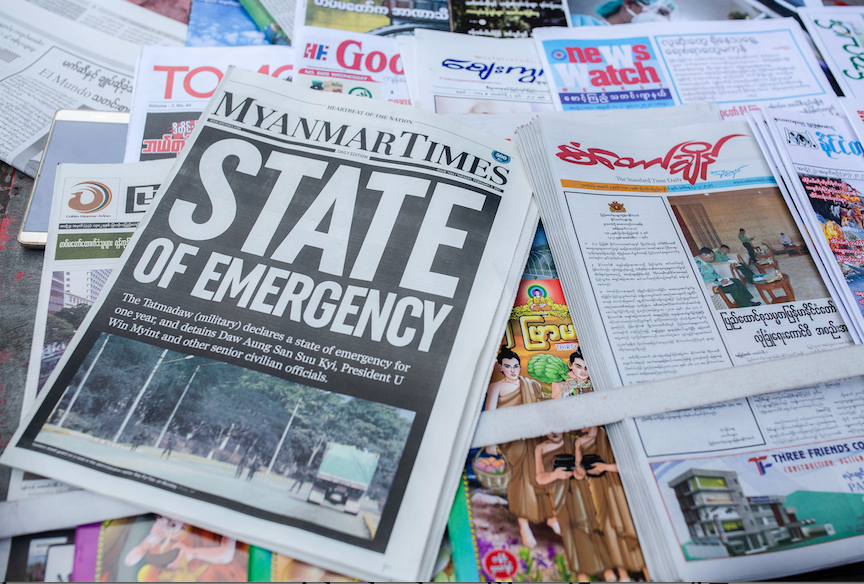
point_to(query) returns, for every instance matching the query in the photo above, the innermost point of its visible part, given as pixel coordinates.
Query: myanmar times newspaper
(308, 298)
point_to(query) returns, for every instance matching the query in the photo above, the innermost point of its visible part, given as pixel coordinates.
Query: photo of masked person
(599, 13)
(621, 12)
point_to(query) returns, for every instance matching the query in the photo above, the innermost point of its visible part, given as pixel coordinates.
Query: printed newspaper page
(457, 74)
(50, 64)
(80, 254)
(174, 86)
(283, 12)
(826, 164)
(314, 288)
(121, 19)
(837, 33)
(362, 65)
(378, 17)
(533, 509)
(507, 18)
(745, 490)
(675, 234)
(594, 13)
(740, 65)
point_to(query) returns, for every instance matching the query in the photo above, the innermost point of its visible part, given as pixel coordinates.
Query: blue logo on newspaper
(500, 157)
(558, 55)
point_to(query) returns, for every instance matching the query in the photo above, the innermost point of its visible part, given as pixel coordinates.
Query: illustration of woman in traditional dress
(528, 501)
(175, 551)
(610, 504)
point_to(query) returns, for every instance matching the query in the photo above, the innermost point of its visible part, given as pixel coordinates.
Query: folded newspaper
(821, 157)
(173, 85)
(320, 275)
(54, 61)
(740, 65)
(80, 253)
(664, 231)
(458, 74)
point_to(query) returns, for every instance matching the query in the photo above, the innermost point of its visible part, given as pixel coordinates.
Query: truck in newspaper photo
(343, 477)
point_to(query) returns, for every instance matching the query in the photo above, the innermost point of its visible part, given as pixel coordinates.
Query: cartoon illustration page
(550, 508)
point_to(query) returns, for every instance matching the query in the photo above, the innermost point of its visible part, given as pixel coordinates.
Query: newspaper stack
(172, 87)
(663, 229)
(358, 261)
(818, 160)
(459, 74)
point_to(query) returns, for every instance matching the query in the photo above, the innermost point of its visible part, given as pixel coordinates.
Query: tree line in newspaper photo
(306, 453)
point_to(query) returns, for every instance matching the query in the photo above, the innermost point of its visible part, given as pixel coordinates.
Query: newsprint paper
(80, 253)
(174, 86)
(309, 298)
(51, 62)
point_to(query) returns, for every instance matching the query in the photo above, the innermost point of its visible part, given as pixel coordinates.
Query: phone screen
(70, 141)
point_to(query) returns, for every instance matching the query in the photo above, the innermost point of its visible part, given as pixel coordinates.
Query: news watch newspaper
(740, 65)
(334, 269)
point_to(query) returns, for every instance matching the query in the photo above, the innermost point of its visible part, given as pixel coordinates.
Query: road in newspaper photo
(221, 431)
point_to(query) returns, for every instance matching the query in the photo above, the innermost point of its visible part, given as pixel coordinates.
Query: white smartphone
(83, 136)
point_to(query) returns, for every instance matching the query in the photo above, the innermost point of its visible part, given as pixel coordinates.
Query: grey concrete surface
(20, 271)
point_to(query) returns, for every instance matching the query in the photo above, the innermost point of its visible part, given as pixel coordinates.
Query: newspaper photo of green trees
(289, 450)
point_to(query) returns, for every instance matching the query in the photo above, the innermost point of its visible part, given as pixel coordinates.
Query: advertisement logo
(760, 466)
(500, 157)
(360, 92)
(315, 51)
(500, 564)
(89, 197)
(138, 198)
(800, 138)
